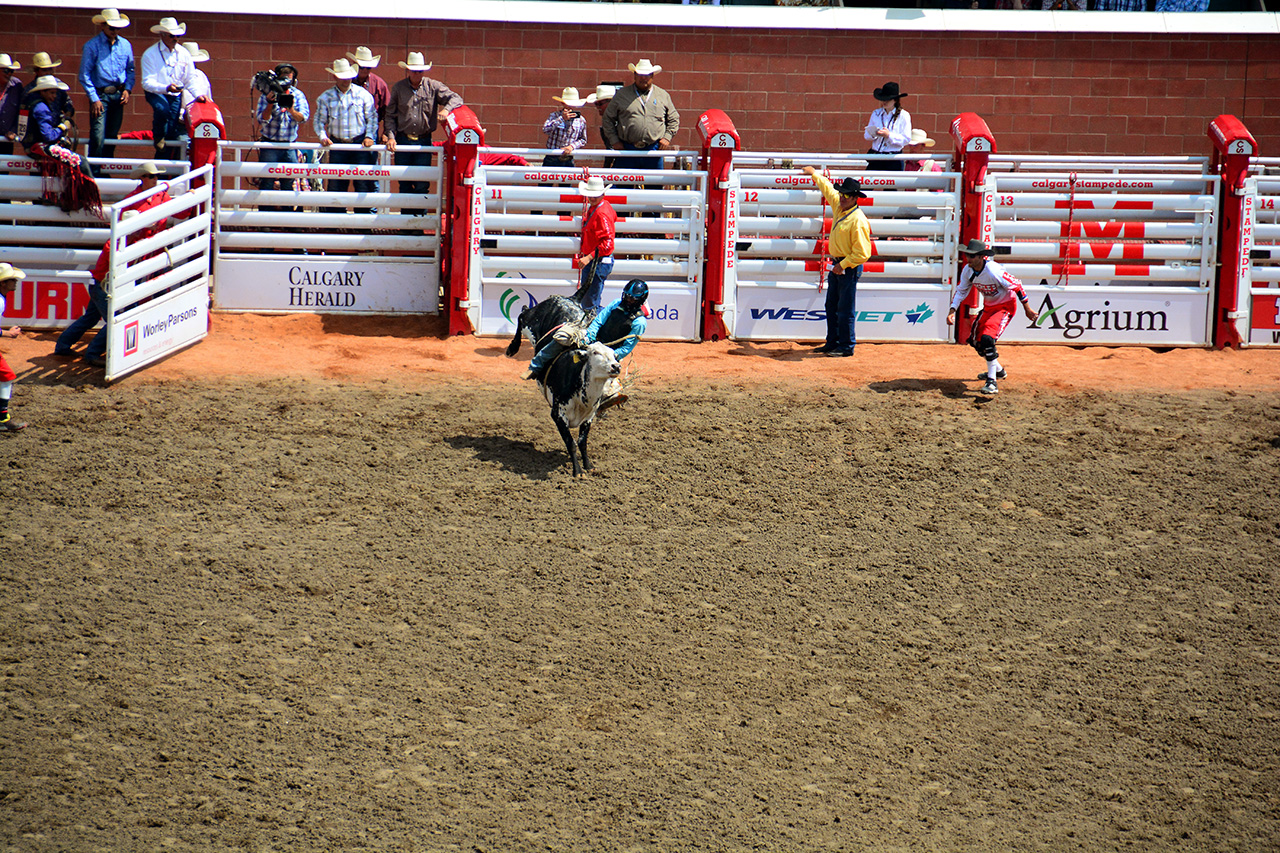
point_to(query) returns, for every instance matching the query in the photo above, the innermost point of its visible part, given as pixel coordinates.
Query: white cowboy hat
(603, 92)
(569, 97)
(417, 62)
(7, 62)
(147, 168)
(919, 137)
(10, 272)
(170, 26)
(47, 82)
(42, 60)
(112, 18)
(644, 67)
(343, 70)
(592, 187)
(198, 54)
(364, 57)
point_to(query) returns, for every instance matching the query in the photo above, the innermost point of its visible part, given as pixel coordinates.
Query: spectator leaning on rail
(417, 106)
(640, 117)
(197, 90)
(890, 127)
(106, 75)
(10, 277)
(849, 247)
(280, 123)
(365, 63)
(565, 128)
(10, 103)
(998, 289)
(346, 114)
(600, 100)
(67, 181)
(166, 72)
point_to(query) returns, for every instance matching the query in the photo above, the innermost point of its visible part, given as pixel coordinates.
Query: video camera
(276, 87)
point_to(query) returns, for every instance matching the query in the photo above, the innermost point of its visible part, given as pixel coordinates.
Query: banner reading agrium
(326, 286)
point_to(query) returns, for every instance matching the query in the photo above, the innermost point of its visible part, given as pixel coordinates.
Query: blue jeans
(620, 162)
(276, 155)
(96, 311)
(350, 158)
(413, 158)
(166, 118)
(591, 298)
(105, 126)
(842, 295)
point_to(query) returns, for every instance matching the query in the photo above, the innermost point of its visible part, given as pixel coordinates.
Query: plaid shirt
(346, 115)
(281, 127)
(561, 136)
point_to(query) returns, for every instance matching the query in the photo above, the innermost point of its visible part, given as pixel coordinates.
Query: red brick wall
(793, 90)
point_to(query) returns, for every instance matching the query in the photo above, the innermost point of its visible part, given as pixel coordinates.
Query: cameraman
(281, 114)
(565, 128)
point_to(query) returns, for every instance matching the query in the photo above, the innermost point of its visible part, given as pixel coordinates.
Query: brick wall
(795, 90)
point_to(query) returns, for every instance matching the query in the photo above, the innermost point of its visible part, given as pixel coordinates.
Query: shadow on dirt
(954, 388)
(517, 457)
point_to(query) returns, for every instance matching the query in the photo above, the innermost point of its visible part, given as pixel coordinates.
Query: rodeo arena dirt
(313, 572)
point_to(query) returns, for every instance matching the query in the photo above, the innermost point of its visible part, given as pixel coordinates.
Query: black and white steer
(578, 379)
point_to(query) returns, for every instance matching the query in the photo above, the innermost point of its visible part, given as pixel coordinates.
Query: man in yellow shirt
(849, 247)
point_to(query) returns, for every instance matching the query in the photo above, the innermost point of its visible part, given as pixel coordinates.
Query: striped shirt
(344, 116)
(560, 135)
(281, 127)
(104, 64)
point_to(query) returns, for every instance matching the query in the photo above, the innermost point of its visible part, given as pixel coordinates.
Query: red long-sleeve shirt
(598, 230)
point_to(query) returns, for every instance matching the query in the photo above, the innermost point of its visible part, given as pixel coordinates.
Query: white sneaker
(989, 388)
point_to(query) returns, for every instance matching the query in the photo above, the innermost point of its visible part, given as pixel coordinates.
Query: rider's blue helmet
(635, 291)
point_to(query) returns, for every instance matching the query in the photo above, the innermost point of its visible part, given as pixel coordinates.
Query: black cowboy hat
(851, 186)
(977, 247)
(888, 92)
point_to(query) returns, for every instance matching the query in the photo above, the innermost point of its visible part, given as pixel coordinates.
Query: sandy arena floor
(323, 584)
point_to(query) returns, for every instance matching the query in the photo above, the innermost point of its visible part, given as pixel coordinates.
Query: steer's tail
(514, 346)
(588, 276)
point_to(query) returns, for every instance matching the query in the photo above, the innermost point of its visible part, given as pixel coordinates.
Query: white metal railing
(776, 287)
(532, 222)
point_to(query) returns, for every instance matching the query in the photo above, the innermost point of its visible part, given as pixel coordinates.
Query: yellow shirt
(850, 231)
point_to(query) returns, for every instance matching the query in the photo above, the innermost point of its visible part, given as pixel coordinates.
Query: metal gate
(158, 280)
(311, 250)
(1114, 250)
(530, 222)
(1262, 219)
(776, 288)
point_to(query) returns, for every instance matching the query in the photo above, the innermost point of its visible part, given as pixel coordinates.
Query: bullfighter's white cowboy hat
(569, 97)
(644, 67)
(417, 62)
(343, 70)
(47, 82)
(198, 54)
(364, 57)
(7, 63)
(592, 187)
(112, 18)
(603, 92)
(42, 61)
(170, 26)
(919, 137)
(8, 272)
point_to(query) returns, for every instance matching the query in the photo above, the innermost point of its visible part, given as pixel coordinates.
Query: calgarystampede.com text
(329, 172)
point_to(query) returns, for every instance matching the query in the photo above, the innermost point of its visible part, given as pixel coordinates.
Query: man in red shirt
(97, 310)
(595, 254)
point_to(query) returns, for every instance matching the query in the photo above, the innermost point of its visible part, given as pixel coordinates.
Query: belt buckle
(411, 137)
(110, 90)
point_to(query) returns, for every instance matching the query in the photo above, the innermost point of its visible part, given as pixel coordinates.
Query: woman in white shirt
(889, 129)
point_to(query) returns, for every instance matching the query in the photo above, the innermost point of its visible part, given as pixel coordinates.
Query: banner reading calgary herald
(321, 286)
